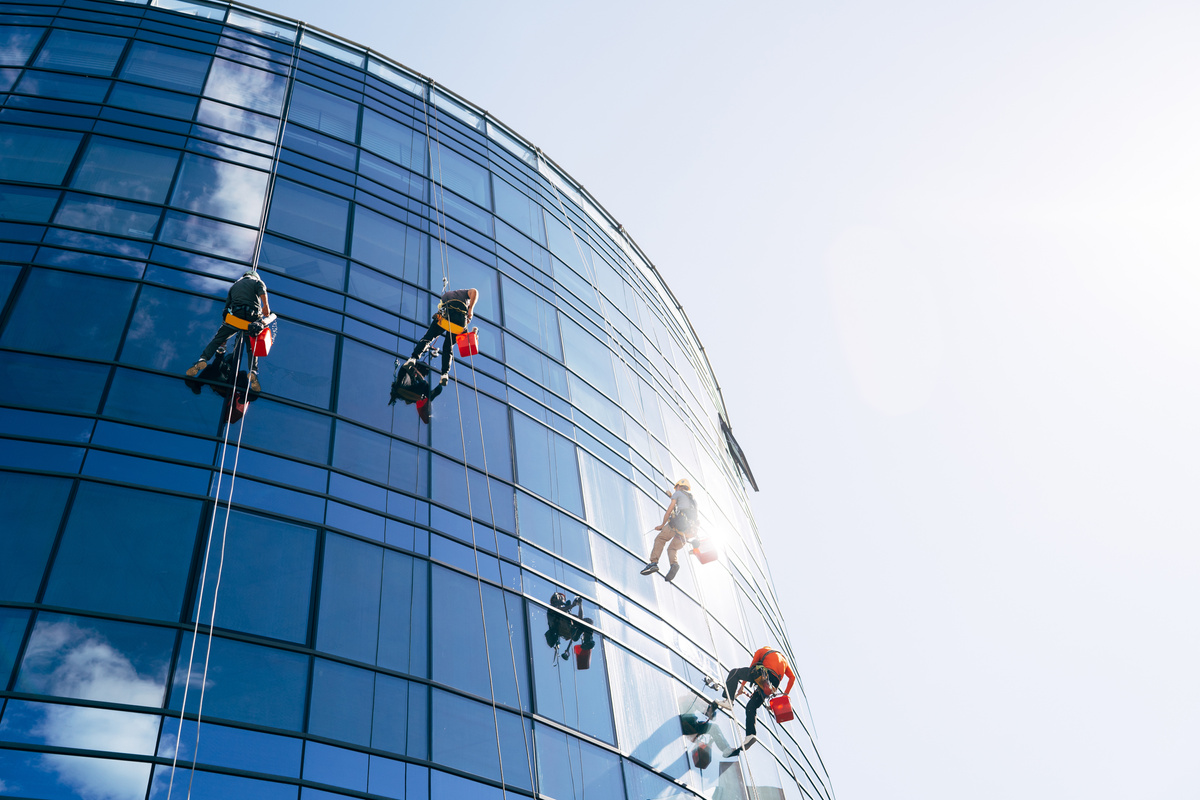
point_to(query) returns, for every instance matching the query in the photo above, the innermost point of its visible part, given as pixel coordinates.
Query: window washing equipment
(705, 550)
(468, 343)
(702, 755)
(583, 658)
(262, 340)
(781, 707)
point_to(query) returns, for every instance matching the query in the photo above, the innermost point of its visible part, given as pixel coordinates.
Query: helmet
(558, 600)
(683, 483)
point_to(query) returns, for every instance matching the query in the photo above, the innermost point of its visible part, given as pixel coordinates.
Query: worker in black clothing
(454, 314)
(411, 385)
(768, 668)
(247, 301)
(561, 624)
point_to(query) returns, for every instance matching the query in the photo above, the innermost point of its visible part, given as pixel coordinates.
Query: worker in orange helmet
(768, 668)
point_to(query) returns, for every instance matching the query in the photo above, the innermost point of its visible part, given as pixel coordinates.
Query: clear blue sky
(975, 416)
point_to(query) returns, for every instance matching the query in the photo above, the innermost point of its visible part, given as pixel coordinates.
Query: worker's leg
(662, 540)
(736, 676)
(447, 352)
(223, 333)
(433, 330)
(756, 700)
(673, 549)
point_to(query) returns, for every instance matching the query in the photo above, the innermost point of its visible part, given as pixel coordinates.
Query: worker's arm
(472, 296)
(266, 304)
(791, 678)
(666, 516)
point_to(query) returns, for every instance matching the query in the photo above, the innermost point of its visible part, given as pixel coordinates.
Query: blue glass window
(612, 503)
(220, 189)
(348, 624)
(266, 580)
(17, 43)
(126, 169)
(390, 246)
(36, 155)
(393, 140)
(12, 631)
(31, 507)
(298, 261)
(404, 614)
(518, 210)
(362, 368)
(401, 718)
(342, 700)
(26, 204)
(574, 697)
(288, 431)
(588, 356)
(373, 287)
(203, 785)
(531, 318)
(553, 530)
(464, 737)
(125, 551)
(63, 87)
(246, 683)
(465, 272)
(108, 216)
(92, 776)
(153, 101)
(571, 769)
(239, 120)
(300, 366)
(323, 111)
(96, 307)
(546, 463)
(309, 215)
(463, 176)
(398, 780)
(218, 238)
(477, 415)
(168, 67)
(187, 412)
(95, 659)
(168, 327)
(232, 747)
(51, 383)
(73, 51)
(245, 86)
(65, 725)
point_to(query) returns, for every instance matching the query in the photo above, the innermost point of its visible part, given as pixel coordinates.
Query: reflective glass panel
(571, 769)
(298, 261)
(168, 67)
(390, 246)
(63, 87)
(309, 215)
(108, 216)
(12, 631)
(245, 86)
(51, 383)
(203, 785)
(546, 463)
(97, 308)
(340, 708)
(168, 328)
(26, 204)
(567, 694)
(74, 51)
(531, 318)
(36, 155)
(31, 507)
(125, 551)
(588, 356)
(126, 169)
(17, 43)
(393, 140)
(323, 111)
(62, 777)
(220, 189)
(266, 576)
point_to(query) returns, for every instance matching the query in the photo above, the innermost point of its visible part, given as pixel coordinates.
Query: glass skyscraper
(330, 598)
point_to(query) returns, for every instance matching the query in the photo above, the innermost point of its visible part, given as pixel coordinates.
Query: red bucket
(583, 658)
(702, 755)
(705, 550)
(468, 343)
(781, 707)
(262, 343)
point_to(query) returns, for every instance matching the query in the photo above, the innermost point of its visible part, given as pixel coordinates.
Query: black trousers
(757, 698)
(447, 344)
(222, 336)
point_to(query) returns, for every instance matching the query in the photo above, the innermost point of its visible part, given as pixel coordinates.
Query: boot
(650, 568)
(671, 573)
(196, 368)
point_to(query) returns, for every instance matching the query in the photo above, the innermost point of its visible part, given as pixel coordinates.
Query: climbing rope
(241, 343)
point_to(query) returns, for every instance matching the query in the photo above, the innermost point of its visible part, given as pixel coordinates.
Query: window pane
(232, 747)
(401, 719)
(36, 155)
(220, 189)
(546, 463)
(458, 628)
(477, 415)
(570, 769)
(266, 579)
(566, 694)
(309, 215)
(239, 120)
(89, 53)
(31, 507)
(390, 246)
(246, 683)
(393, 140)
(153, 101)
(168, 328)
(245, 86)
(96, 307)
(26, 204)
(350, 583)
(63, 87)
(217, 238)
(216, 786)
(342, 700)
(462, 175)
(168, 67)
(519, 211)
(404, 615)
(298, 261)
(125, 551)
(612, 503)
(323, 111)
(108, 216)
(553, 530)
(531, 318)
(126, 169)
(645, 701)
(93, 776)
(64, 725)
(51, 383)
(366, 374)
(93, 659)
(12, 631)
(300, 366)
(16, 45)
(588, 356)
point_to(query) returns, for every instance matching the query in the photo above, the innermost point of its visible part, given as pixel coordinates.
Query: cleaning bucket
(583, 658)
(468, 343)
(705, 550)
(781, 707)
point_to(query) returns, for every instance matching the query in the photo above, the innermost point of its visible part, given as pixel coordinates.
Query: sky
(971, 402)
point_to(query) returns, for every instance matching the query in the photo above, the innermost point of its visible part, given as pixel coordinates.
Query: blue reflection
(59, 777)
(223, 746)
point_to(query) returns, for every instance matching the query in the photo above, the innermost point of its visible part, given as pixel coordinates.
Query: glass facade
(361, 610)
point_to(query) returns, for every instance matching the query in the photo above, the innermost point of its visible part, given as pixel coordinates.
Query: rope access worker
(678, 521)
(247, 301)
(561, 625)
(768, 668)
(454, 314)
(411, 385)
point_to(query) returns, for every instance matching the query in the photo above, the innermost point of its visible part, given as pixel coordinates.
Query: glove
(445, 379)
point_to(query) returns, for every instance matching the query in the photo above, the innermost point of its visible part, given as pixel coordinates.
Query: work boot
(671, 573)
(650, 568)
(196, 368)
(725, 703)
(410, 362)
(254, 387)
(751, 739)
